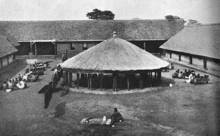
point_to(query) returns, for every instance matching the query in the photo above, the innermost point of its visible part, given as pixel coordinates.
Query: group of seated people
(36, 69)
(13, 84)
(182, 74)
(191, 76)
(20, 82)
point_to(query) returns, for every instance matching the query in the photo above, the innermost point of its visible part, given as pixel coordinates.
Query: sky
(205, 11)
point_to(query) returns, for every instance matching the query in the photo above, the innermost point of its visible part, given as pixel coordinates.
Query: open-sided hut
(115, 56)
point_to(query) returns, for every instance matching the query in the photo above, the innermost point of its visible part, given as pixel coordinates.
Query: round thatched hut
(115, 57)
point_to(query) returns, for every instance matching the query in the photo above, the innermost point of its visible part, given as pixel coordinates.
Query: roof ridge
(83, 20)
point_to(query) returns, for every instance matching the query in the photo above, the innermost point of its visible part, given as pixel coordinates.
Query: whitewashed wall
(213, 65)
(175, 56)
(4, 61)
(167, 54)
(10, 59)
(185, 58)
(197, 61)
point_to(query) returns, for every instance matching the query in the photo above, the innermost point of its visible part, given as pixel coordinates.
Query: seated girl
(21, 85)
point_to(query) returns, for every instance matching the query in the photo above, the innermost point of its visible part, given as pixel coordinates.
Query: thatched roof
(91, 29)
(6, 47)
(203, 40)
(114, 54)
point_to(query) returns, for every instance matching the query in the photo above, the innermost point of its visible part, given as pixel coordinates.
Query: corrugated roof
(114, 54)
(6, 47)
(203, 40)
(91, 29)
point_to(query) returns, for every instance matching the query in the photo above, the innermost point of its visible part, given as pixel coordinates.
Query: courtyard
(184, 109)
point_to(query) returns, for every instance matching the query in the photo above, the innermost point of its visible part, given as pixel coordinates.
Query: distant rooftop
(203, 40)
(71, 30)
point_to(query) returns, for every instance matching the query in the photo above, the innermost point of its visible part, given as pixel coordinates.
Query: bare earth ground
(184, 109)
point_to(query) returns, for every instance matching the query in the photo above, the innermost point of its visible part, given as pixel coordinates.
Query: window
(85, 46)
(72, 47)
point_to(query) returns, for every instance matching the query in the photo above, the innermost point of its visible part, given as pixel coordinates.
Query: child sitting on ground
(116, 117)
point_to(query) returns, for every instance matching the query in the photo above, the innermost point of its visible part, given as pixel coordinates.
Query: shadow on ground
(13, 69)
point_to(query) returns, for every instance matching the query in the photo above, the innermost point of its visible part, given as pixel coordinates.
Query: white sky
(205, 11)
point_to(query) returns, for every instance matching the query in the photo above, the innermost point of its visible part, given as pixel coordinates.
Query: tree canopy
(171, 17)
(102, 15)
(193, 22)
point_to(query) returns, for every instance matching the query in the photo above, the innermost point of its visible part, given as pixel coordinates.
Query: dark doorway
(45, 48)
(23, 48)
(151, 46)
(205, 63)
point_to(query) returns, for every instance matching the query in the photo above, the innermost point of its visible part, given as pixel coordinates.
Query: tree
(102, 15)
(171, 17)
(193, 22)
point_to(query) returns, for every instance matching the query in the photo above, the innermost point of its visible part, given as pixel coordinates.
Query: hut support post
(155, 77)
(151, 79)
(66, 76)
(35, 45)
(88, 77)
(115, 82)
(70, 80)
(147, 79)
(128, 82)
(77, 80)
(101, 77)
(141, 81)
(90, 82)
(159, 76)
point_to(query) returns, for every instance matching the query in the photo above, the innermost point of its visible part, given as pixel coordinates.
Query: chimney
(114, 34)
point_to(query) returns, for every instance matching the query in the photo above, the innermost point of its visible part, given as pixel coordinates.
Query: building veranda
(114, 63)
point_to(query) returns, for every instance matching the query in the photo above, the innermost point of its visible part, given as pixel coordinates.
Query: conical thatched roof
(203, 40)
(114, 54)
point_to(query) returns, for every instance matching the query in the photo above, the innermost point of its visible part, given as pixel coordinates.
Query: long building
(57, 37)
(7, 51)
(196, 45)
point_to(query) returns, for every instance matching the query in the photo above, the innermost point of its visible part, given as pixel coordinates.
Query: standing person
(59, 72)
(48, 96)
(19, 77)
(4, 85)
(64, 57)
(54, 78)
